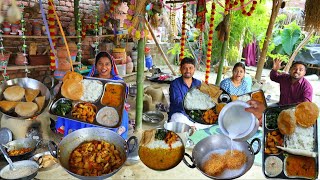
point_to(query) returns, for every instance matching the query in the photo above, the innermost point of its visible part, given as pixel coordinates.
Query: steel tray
(282, 154)
(97, 103)
(253, 92)
(223, 98)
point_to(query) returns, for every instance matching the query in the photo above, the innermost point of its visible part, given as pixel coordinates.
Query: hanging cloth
(201, 14)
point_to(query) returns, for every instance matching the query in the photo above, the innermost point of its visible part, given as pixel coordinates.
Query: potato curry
(95, 158)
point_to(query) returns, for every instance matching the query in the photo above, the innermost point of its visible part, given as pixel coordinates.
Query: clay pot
(63, 65)
(62, 52)
(129, 59)
(129, 67)
(6, 28)
(20, 59)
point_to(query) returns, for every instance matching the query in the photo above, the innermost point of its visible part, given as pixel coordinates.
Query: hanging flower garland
(232, 6)
(52, 30)
(252, 8)
(24, 46)
(208, 63)
(96, 44)
(135, 20)
(173, 22)
(103, 20)
(79, 53)
(183, 31)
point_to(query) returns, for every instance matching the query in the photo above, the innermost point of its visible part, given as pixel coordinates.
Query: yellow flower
(137, 35)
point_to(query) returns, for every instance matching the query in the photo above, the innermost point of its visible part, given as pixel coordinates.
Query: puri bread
(40, 102)
(306, 114)
(72, 89)
(26, 109)
(72, 75)
(14, 93)
(7, 105)
(287, 122)
(31, 94)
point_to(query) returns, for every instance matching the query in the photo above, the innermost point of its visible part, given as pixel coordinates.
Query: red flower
(254, 2)
(248, 14)
(252, 8)
(244, 12)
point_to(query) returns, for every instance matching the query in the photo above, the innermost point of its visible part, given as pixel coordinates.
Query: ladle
(4, 152)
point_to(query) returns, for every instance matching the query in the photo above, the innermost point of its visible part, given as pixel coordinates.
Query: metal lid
(5, 135)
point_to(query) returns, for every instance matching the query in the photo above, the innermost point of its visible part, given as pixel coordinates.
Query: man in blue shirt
(178, 89)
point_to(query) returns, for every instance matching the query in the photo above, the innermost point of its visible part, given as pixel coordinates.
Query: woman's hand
(257, 108)
(277, 64)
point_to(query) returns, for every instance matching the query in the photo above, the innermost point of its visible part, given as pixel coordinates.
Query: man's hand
(277, 64)
(257, 108)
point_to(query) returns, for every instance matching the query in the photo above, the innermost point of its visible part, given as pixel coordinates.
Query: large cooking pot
(26, 83)
(216, 144)
(22, 143)
(22, 170)
(71, 141)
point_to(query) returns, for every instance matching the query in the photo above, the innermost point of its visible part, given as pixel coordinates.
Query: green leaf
(289, 39)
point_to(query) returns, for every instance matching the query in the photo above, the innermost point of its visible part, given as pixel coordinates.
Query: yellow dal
(160, 158)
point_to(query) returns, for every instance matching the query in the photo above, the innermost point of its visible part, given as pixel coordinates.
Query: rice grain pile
(302, 139)
(92, 90)
(197, 100)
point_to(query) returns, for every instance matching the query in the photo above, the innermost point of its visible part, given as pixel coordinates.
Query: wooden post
(275, 9)
(139, 82)
(161, 51)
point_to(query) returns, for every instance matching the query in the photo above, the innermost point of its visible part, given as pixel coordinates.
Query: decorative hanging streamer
(213, 8)
(53, 59)
(183, 32)
(24, 46)
(201, 14)
(96, 44)
(135, 22)
(79, 53)
(64, 38)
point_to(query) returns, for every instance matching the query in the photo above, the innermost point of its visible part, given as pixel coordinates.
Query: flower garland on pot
(135, 20)
(213, 8)
(52, 30)
(79, 29)
(183, 31)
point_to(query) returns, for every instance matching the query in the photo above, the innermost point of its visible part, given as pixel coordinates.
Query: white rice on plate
(162, 144)
(197, 100)
(302, 138)
(92, 90)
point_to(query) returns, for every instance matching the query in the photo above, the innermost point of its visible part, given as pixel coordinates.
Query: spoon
(4, 152)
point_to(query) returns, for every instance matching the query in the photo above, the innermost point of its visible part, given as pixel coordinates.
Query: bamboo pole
(159, 47)
(223, 50)
(305, 41)
(139, 82)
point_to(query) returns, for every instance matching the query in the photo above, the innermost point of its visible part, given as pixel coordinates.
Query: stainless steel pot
(63, 151)
(216, 144)
(26, 83)
(22, 143)
(22, 170)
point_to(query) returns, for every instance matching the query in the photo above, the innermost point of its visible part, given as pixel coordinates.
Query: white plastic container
(121, 69)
